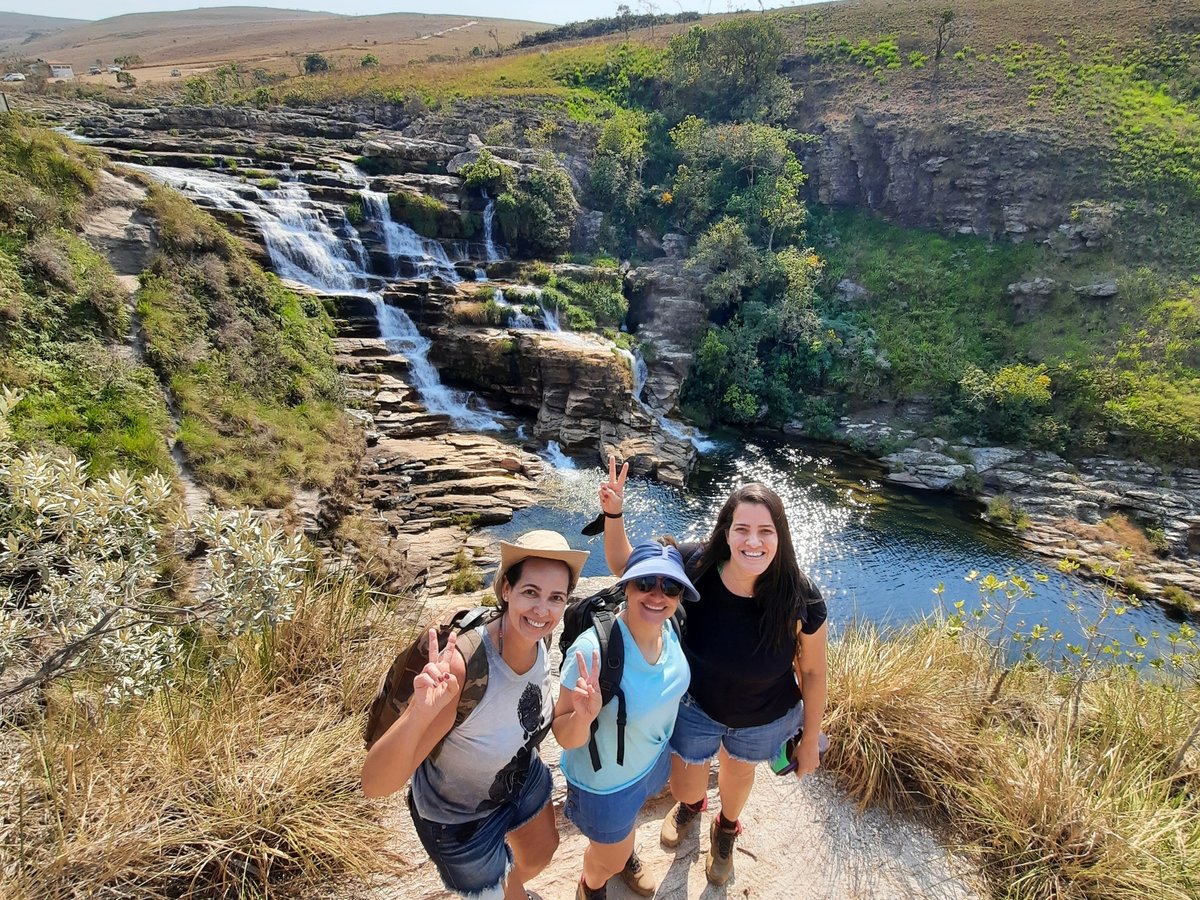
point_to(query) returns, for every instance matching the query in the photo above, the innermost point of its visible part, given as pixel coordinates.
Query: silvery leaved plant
(81, 566)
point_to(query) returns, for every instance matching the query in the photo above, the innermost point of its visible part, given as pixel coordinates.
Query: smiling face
(753, 539)
(651, 607)
(537, 597)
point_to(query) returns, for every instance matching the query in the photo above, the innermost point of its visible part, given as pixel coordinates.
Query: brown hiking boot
(586, 893)
(679, 822)
(720, 854)
(636, 876)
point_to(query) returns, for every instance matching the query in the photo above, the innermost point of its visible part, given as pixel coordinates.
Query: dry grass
(242, 785)
(1050, 806)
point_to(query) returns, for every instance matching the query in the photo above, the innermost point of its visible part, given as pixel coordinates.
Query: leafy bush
(427, 216)
(537, 214)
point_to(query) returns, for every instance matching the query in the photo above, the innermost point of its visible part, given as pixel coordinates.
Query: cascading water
(304, 248)
(489, 218)
(677, 430)
(517, 319)
(401, 335)
(297, 236)
(425, 256)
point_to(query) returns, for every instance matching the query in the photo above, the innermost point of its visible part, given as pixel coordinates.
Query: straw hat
(540, 545)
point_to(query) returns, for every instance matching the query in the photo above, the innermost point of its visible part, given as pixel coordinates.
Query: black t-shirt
(736, 681)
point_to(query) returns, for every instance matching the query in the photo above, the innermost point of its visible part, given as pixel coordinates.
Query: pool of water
(877, 552)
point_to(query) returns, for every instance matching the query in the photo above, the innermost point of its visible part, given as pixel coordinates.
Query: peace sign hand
(435, 685)
(585, 697)
(612, 492)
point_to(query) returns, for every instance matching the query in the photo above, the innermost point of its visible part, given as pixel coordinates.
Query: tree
(315, 62)
(624, 18)
(495, 37)
(731, 71)
(943, 22)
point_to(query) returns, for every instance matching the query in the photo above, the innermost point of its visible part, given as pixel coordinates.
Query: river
(876, 551)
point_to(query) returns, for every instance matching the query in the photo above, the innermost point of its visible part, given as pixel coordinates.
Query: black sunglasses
(669, 586)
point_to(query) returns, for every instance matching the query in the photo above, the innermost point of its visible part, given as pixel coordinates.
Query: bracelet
(609, 515)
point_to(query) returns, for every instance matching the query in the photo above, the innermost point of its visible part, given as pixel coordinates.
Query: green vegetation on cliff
(63, 314)
(249, 362)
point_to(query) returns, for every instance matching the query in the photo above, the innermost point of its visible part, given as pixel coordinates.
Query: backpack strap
(612, 665)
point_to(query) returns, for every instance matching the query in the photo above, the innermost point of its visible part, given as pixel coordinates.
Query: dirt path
(119, 230)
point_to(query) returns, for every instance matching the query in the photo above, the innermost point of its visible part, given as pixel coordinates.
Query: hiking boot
(586, 893)
(679, 822)
(720, 854)
(636, 876)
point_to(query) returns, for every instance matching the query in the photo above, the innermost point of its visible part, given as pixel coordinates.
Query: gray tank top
(484, 761)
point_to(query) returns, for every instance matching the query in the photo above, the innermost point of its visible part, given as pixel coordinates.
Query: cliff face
(957, 177)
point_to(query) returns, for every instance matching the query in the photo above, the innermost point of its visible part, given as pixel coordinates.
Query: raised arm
(612, 503)
(428, 718)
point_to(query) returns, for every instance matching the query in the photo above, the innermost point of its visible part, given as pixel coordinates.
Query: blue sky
(528, 10)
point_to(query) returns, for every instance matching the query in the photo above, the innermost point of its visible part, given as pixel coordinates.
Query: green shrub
(427, 216)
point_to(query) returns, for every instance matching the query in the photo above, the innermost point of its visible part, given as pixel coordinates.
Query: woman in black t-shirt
(757, 633)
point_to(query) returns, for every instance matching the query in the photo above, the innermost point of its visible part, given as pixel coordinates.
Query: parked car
(14, 76)
(95, 70)
(114, 70)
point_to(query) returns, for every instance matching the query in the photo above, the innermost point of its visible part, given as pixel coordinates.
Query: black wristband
(609, 515)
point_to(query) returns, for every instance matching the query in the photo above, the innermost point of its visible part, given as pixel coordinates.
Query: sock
(698, 806)
(725, 824)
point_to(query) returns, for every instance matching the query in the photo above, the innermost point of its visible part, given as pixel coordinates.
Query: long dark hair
(782, 591)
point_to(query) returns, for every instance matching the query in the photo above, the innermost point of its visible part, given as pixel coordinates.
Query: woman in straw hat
(480, 801)
(756, 635)
(605, 793)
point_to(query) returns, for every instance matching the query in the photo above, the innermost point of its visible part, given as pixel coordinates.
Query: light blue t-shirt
(652, 694)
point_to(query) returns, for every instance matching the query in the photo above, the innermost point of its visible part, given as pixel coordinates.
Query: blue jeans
(697, 737)
(473, 857)
(608, 818)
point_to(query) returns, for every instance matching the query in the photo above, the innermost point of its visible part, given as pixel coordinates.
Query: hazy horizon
(525, 10)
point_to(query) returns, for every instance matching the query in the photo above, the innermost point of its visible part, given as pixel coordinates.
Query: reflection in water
(877, 552)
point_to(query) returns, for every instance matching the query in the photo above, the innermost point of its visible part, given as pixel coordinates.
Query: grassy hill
(270, 38)
(17, 29)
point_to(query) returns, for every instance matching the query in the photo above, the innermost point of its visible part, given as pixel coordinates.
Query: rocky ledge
(1065, 510)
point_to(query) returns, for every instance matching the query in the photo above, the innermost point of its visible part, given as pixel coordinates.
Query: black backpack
(599, 611)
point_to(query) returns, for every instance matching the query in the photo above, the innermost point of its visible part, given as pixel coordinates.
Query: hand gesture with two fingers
(612, 492)
(585, 696)
(435, 685)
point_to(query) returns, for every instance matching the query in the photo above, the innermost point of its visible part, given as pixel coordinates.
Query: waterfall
(303, 247)
(554, 455)
(297, 236)
(489, 243)
(517, 319)
(677, 430)
(426, 256)
(401, 335)
(549, 316)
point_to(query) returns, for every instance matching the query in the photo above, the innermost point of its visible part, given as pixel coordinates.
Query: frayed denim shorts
(697, 737)
(473, 857)
(608, 818)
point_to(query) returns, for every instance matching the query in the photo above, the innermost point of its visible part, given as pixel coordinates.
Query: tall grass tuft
(1050, 803)
(242, 783)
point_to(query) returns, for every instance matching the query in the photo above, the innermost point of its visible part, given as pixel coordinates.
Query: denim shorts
(473, 857)
(697, 738)
(608, 818)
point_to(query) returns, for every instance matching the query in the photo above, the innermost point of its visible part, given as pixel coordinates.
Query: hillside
(17, 29)
(268, 37)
